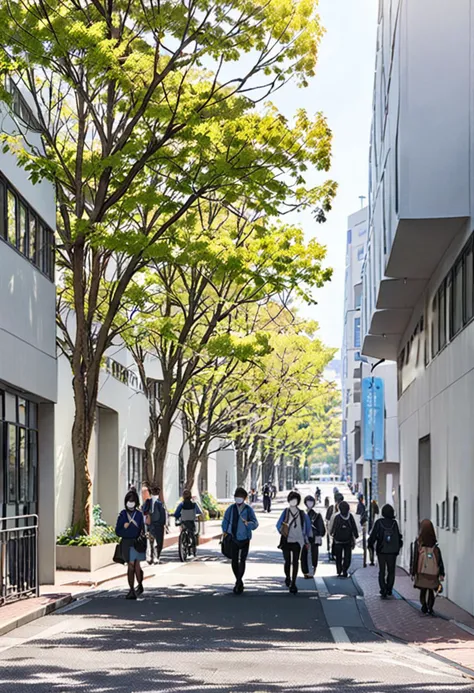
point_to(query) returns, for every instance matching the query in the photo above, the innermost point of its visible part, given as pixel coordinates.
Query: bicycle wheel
(182, 547)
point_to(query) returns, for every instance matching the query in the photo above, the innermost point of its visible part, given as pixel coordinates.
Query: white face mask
(239, 501)
(310, 504)
(293, 503)
(131, 505)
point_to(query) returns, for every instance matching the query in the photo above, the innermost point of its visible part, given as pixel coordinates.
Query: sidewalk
(450, 635)
(70, 584)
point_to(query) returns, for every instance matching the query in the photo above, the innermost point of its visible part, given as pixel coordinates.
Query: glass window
(23, 231)
(33, 465)
(21, 411)
(357, 333)
(33, 224)
(434, 327)
(360, 253)
(442, 315)
(3, 228)
(11, 217)
(22, 465)
(457, 298)
(455, 513)
(11, 462)
(468, 286)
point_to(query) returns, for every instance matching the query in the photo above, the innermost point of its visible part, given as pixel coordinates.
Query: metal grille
(18, 558)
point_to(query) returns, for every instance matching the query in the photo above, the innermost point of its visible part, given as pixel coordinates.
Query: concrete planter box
(87, 558)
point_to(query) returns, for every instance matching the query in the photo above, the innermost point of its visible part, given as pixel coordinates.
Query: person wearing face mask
(239, 522)
(295, 530)
(130, 527)
(318, 532)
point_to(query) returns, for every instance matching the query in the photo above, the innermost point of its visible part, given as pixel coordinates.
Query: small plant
(214, 509)
(101, 534)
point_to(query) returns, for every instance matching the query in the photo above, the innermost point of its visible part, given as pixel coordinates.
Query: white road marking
(339, 634)
(74, 605)
(321, 587)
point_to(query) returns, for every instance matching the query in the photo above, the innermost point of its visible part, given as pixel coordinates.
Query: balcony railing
(18, 558)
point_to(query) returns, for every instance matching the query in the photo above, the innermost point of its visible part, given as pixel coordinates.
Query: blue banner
(373, 418)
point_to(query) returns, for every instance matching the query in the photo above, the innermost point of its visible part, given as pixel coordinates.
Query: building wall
(420, 245)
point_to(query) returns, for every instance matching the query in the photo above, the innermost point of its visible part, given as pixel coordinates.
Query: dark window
(18, 471)
(3, 225)
(442, 315)
(468, 285)
(457, 299)
(136, 459)
(437, 514)
(19, 225)
(455, 514)
(443, 515)
(11, 217)
(357, 333)
(434, 327)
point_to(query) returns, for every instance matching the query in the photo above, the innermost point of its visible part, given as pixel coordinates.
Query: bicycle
(187, 543)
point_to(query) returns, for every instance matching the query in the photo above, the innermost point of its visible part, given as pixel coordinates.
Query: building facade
(351, 440)
(418, 280)
(28, 381)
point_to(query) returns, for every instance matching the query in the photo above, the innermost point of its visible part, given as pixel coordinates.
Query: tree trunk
(159, 460)
(80, 438)
(191, 467)
(242, 473)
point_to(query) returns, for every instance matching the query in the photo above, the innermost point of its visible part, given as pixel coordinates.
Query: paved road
(191, 634)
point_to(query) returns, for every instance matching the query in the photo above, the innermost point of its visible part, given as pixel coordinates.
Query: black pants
(314, 558)
(343, 554)
(267, 503)
(158, 534)
(427, 598)
(239, 556)
(387, 567)
(291, 554)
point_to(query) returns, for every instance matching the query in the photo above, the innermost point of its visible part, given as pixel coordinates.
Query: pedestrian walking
(267, 498)
(426, 566)
(330, 512)
(155, 522)
(387, 542)
(295, 529)
(274, 491)
(239, 522)
(310, 558)
(318, 495)
(343, 529)
(130, 528)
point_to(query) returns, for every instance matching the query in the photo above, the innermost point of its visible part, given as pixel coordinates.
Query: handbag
(318, 541)
(285, 527)
(140, 543)
(118, 558)
(226, 545)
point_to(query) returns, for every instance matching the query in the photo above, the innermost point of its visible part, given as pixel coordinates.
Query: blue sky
(342, 89)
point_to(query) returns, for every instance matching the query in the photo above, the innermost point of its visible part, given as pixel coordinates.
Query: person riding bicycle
(187, 513)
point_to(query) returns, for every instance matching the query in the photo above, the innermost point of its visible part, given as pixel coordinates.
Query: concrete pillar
(109, 496)
(46, 494)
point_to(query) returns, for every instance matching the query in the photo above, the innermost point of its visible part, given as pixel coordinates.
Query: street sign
(373, 418)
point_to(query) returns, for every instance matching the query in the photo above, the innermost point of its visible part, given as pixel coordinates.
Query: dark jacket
(133, 530)
(317, 523)
(377, 533)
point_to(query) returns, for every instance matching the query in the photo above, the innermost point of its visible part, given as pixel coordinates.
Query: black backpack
(390, 539)
(343, 530)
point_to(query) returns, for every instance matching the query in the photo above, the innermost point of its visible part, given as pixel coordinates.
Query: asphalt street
(189, 633)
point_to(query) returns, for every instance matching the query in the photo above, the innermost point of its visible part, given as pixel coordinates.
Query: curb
(35, 614)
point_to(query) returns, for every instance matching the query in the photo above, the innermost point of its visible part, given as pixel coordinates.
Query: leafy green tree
(220, 273)
(144, 108)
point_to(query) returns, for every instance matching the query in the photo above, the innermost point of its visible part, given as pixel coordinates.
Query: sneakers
(131, 595)
(140, 589)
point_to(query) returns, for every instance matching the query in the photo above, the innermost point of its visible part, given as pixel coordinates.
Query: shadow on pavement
(132, 679)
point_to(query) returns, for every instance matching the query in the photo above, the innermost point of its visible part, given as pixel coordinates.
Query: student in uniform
(343, 529)
(295, 528)
(309, 558)
(427, 567)
(387, 542)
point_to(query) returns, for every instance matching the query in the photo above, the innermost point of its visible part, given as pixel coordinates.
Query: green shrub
(101, 534)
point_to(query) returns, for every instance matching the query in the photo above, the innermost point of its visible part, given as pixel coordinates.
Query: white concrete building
(351, 348)
(28, 372)
(418, 282)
